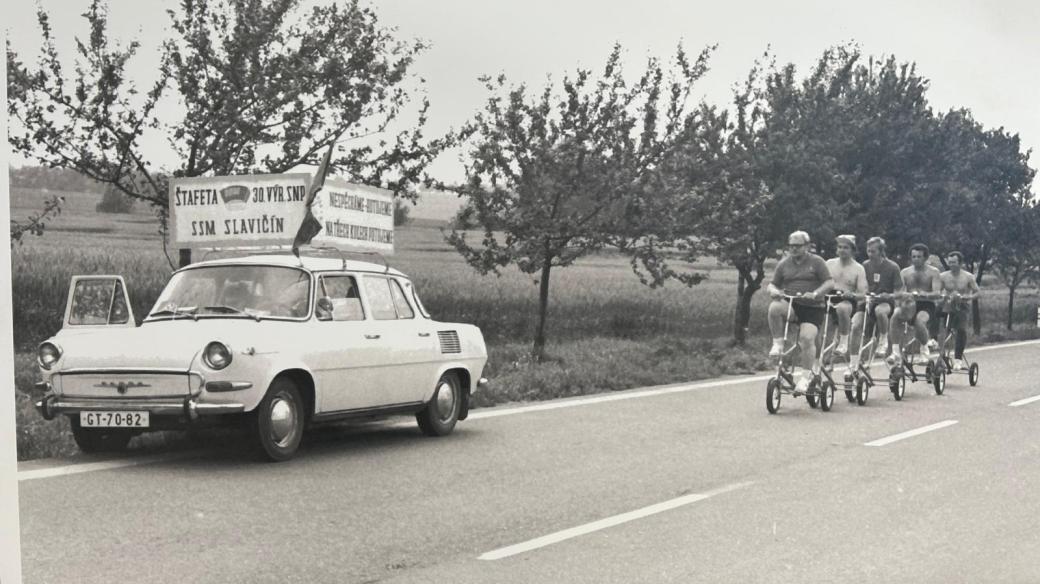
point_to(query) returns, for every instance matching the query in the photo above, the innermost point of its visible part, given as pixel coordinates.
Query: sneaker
(933, 345)
(850, 376)
(960, 365)
(895, 356)
(777, 349)
(842, 349)
(926, 354)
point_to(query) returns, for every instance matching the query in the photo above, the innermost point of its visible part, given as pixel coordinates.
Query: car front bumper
(52, 405)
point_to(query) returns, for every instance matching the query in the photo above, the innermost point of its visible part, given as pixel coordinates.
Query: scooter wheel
(862, 390)
(773, 396)
(826, 396)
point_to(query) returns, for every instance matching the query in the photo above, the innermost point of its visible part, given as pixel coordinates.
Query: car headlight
(217, 355)
(48, 354)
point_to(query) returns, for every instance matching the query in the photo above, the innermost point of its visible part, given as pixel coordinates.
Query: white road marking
(621, 395)
(1002, 346)
(476, 415)
(70, 469)
(1025, 401)
(588, 528)
(910, 433)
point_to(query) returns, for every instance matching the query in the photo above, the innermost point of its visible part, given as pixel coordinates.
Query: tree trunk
(747, 285)
(543, 309)
(1011, 306)
(976, 317)
(739, 329)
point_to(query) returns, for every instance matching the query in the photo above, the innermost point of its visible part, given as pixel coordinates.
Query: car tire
(90, 440)
(441, 413)
(276, 425)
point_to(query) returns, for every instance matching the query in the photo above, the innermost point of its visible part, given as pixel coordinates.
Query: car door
(409, 343)
(347, 353)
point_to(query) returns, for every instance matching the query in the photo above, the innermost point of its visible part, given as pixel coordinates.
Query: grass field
(606, 330)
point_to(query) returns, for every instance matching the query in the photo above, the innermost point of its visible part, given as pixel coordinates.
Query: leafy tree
(767, 168)
(36, 223)
(554, 176)
(114, 201)
(1018, 258)
(264, 87)
(401, 213)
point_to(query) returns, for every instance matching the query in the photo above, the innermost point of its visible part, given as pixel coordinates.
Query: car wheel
(276, 426)
(773, 396)
(99, 439)
(441, 413)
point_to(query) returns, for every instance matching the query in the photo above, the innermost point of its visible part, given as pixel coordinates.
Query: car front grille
(124, 385)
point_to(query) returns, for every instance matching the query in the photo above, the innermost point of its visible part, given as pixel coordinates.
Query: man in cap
(806, 274)
(924, 286)
(961, 288)
(850, 279)
(885, 282)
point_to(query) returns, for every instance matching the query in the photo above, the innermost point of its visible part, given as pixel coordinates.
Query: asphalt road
(686, 485)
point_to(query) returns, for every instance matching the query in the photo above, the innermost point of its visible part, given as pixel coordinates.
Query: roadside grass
(606, 330)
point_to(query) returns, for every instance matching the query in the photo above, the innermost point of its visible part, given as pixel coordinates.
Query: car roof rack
(312, 250)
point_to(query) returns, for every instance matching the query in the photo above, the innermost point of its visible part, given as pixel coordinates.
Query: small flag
(310, 225)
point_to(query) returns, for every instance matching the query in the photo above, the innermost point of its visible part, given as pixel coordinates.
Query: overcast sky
(978, 55)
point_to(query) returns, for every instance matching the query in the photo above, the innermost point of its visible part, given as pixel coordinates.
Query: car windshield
(235, 292)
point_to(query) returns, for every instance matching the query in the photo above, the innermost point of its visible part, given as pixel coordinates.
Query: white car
(276, 341)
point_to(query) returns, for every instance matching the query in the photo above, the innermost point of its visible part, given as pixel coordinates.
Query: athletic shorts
(805, 314)
(958, 318)
(925, 306)
(836, 302)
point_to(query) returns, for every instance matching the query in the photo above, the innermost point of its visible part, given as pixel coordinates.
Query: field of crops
(606, 330)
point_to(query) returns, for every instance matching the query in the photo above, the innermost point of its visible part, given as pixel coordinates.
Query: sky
(977, 55)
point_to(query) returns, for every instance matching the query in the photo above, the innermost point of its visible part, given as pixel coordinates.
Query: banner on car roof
(354, 216)
(265, 210)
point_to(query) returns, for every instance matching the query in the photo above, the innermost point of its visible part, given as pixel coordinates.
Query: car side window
(380, 300)
(343, 292)
(404, 310)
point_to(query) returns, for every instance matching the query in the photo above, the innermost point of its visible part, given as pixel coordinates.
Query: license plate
(113, 419)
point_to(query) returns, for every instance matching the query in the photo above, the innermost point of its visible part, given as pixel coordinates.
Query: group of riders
(875, 293)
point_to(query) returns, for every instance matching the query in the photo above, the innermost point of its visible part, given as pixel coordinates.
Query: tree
(553, 177)
(1018, 257)
(114, 201)
(36, 223)
(773, 170)
(264, 87)
(402, 213)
